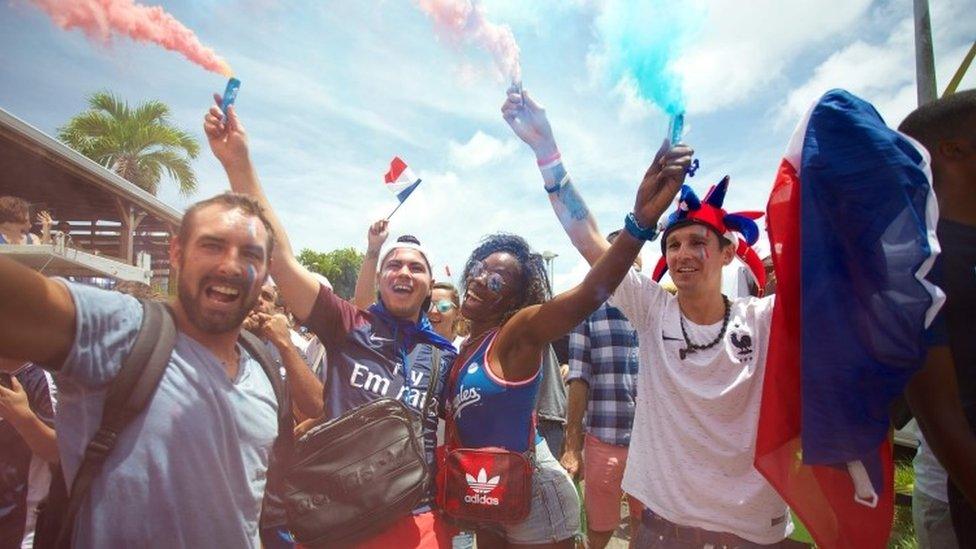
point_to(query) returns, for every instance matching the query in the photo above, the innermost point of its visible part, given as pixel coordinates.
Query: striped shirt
(603, 353)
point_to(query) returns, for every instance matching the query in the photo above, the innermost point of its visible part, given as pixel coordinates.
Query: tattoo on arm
(372, 255)
(573, 202)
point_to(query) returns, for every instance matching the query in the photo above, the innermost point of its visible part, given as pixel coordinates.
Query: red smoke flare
(101, 19)
(465, 21)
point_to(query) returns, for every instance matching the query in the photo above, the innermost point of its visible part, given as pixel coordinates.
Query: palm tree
(138, 144)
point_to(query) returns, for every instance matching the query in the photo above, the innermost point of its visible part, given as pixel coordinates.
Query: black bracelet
(559, 185)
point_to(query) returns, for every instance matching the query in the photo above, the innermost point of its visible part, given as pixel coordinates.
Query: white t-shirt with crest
(694, 436)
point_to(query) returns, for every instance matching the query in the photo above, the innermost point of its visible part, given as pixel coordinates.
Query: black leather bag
(352, 476)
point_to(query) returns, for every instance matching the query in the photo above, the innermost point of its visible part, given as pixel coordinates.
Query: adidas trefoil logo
(481, 486)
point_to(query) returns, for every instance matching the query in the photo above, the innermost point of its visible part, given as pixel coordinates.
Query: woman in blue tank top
(511, 322)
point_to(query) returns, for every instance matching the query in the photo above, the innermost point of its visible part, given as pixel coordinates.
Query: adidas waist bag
(484, 484)
(352, 476)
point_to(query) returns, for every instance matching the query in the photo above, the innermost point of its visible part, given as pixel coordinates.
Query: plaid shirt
(603, 353)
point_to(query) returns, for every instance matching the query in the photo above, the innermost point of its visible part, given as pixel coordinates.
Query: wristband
(549, 161)
(640, 233)
(559, 184)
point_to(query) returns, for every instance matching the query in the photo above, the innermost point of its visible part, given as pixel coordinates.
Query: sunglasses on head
(442, 306)
(493, 280)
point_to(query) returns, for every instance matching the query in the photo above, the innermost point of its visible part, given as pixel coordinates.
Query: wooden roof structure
(109, 217)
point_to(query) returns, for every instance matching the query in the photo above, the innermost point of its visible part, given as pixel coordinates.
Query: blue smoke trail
(641, 38)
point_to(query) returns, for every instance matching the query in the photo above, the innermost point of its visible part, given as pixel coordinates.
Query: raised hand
(44, 219)
(276, 328)
(661, 183)
(376, 237)
(227, 138)
(528, 120)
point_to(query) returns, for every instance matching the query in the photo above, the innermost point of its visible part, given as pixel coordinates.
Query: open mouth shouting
(402, 287)
(223, 294)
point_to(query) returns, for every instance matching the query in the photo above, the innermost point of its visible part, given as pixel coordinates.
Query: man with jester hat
(702, 354)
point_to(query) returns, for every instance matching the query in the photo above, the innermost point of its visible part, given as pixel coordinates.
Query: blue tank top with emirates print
(490, 411)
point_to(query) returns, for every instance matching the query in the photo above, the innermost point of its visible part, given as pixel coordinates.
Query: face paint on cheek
(252, 274)
(494, 285)
(703, 250)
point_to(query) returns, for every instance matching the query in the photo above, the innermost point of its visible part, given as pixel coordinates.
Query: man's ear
(175, 251)
(728, 253)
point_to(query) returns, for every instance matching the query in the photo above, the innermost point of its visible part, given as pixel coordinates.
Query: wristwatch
(640, 233)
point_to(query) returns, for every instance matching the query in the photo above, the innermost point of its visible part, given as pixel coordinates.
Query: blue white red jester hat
(739, 228)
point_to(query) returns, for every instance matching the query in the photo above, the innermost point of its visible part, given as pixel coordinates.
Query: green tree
(340, 266)
(139, 144)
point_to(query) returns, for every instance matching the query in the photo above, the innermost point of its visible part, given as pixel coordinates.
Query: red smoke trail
(101, 19)
(465, 21)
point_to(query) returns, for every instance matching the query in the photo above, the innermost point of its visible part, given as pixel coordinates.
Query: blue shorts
(555, 512)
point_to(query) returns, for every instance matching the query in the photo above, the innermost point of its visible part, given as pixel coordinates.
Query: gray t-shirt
(550, 403)
(190, 470)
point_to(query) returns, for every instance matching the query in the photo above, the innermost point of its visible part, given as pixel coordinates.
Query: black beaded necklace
(691, 347)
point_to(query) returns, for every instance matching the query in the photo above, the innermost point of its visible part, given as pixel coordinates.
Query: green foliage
(340, 266)
(903, 529)
(139, 144)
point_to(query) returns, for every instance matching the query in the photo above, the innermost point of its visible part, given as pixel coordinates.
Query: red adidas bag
(483, 484)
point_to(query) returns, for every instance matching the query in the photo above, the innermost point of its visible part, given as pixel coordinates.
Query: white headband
(405, 246)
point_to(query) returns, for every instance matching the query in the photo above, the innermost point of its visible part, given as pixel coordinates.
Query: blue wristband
(640, 233)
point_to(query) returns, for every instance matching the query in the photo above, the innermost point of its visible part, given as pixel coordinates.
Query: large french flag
(400, 180)
(851, 222)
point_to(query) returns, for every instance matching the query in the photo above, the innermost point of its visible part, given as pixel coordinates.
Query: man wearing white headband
(384, 350)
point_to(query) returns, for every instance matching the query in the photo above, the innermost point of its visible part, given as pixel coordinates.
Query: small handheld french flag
(400, 180)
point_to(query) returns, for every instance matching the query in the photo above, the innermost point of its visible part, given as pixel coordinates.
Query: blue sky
(332, 90)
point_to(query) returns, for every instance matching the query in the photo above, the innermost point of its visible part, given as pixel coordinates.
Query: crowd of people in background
(655, 403)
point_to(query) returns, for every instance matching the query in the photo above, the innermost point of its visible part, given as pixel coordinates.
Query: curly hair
(14, 209)
(534, 287)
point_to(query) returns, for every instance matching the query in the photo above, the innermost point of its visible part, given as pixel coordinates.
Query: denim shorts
(555, 512)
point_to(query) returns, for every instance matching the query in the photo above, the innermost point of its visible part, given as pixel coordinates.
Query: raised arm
(534, 326)
(44, 218)
(228, 141)
(528, 120)
(37, 316)
(304, 387)
(366, 283)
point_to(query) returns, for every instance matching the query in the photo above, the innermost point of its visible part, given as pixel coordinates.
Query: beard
(212, 322)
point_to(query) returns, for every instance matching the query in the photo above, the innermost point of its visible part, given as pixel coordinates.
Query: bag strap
(451, 440)
(256, 348)
(435, 370)
(127, 396)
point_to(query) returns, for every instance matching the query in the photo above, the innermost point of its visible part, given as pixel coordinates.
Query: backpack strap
(255, 347)
(127, 396)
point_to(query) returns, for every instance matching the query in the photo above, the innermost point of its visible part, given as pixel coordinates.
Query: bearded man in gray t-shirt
(190, 470)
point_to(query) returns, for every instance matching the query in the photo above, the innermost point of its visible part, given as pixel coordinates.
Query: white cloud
(884, 73)
(480, 150)
(875, 72)
(633, 109)
(748, 45)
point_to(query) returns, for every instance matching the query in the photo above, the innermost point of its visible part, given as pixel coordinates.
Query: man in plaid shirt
(602, 384)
